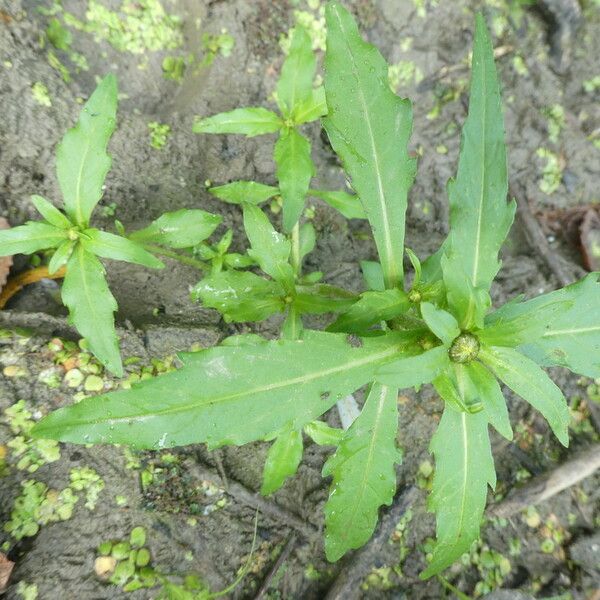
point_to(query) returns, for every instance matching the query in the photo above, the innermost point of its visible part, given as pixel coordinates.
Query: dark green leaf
(364, 477)
(446, 385)
(240, 295)
(527, 380)
(319, 299)
(179, 229)
(227, 395)
(246, 121)
(295, 169)
(480, 215)
(414, 370)
(50, 213)
(347, 204)
(282, 461)
(463, 469)
(270, 249)
(372, 308)
(81, 159)
(29, 238)
(250, 192)
(295, 85)
(369, 128)
(115, 247)
(91, 305)
(441, 323)
(373, 275)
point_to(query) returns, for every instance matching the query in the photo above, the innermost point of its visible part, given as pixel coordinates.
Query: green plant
(82, 165)
(440, 329)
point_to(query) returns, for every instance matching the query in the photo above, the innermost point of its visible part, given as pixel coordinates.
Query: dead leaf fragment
(6, 567)
(5, 261)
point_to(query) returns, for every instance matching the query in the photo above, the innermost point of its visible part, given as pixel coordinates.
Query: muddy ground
(198, 508)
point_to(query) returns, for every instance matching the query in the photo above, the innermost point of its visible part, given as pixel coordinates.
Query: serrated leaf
(526, 379)
(480, 216)
(91, 306)
(312, 108)
(491, 396)
(572, 339)
(295, 84)
(240, 295)
(227, 395)
(250, 192)
(369, 127)
(463, 469)
(441, 323)
(50, 213)
(115, 247)
(82, 162)
(179, 229)
(364, 477)
(414, 370)
(347, 204)
(322, 434)
(282, 461)
(246, 121)
(61, 256)
(29, 238)
(372, 308)
(295, 169)
(270, 249)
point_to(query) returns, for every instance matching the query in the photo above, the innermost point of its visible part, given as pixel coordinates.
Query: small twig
(347, 583)
(287, 549)
(17, 283)
(548, 485)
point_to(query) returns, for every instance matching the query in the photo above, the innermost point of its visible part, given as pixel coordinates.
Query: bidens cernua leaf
(29, 238)
(282, 461)
(246, 121)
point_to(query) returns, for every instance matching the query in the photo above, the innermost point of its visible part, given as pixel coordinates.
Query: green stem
(182, 258)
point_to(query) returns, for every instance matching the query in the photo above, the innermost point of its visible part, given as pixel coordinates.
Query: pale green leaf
(446, 385)
(250, 192)
(572, 339)
(307, 241)
(480, 216)
(371, 309)
(373, 275)
(322, 434)
(295, 85)
(491, 396)
(347, 204)
(282, 461)
(313, 108)
(463, 469)
(441, 323)
(364, 477)
(295, 169)
(270, 249)
(91, 306)
(50, 213)
(240, 295)
(414, 370)
(29, 238)
(526, 379)
(246, 121)
(115, 247)
(228, 395)
(179, 229)
(82, 162)
(369, 128)
(61, 256)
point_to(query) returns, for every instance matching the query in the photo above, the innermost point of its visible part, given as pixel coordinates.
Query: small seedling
(441, 329)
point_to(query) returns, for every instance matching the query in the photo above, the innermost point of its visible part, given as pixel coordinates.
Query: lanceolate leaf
(463, 469)
(179, 229)
(480, 215)
(295, 169)
(347, 204)
(81, 159)
(572, 338)
(250, 192)
(29, 238)
(441, 323)
(61, 256)
(108, 245)
(363, 472)
(228, 395)
(246, 121)
(414, 370)
(527, 380)
(282, 461)
(313, 108)
(372, 308)
(50, 213)
(295, 84)
(369, 127)
(91, 305)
